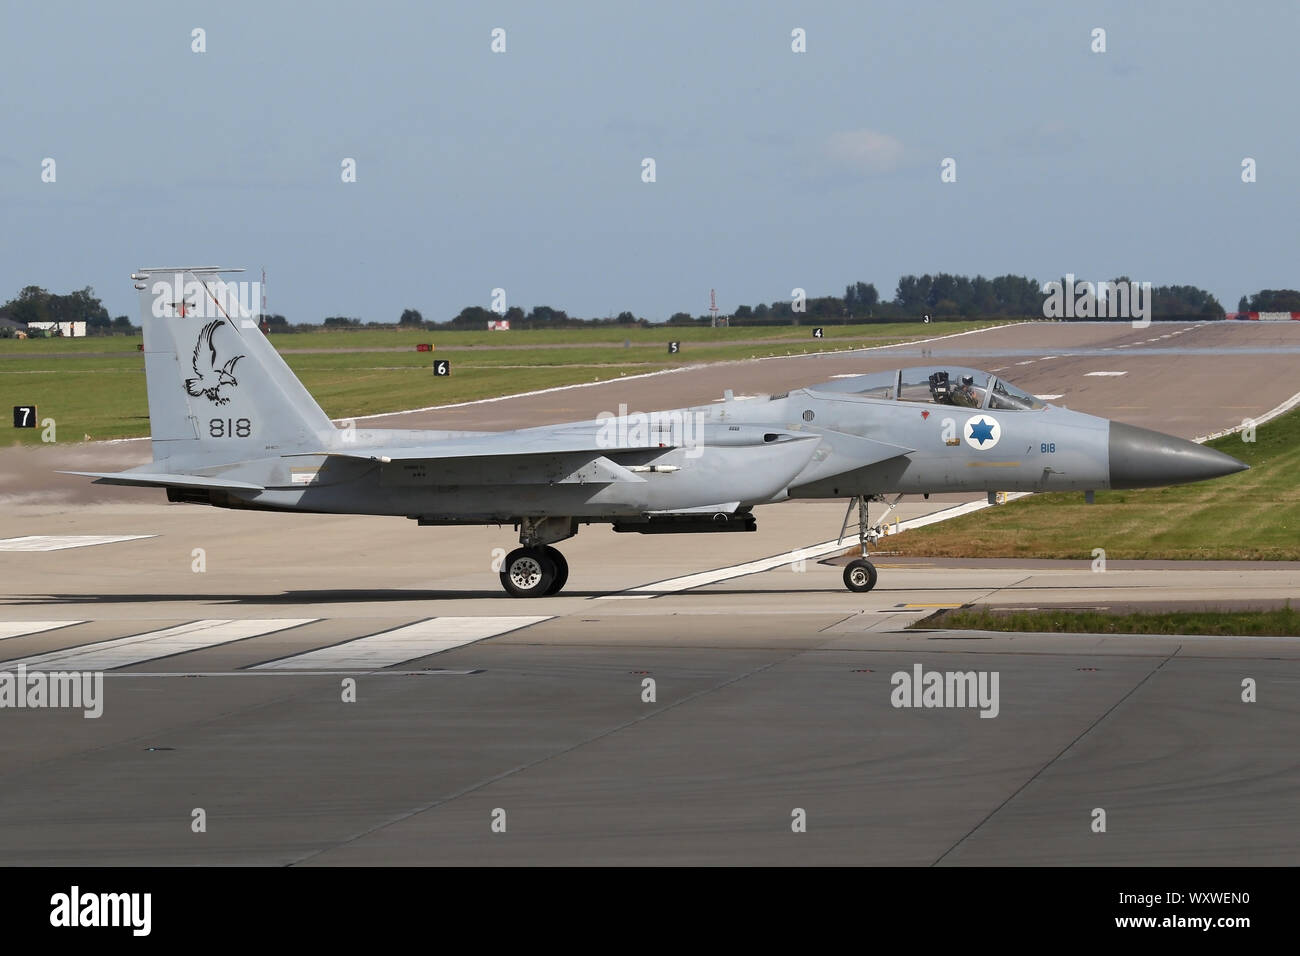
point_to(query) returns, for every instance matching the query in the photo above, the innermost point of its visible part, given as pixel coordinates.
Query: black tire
(527, 572)
(561, 570)
(860, 575)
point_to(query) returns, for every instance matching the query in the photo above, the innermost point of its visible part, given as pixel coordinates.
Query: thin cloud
(864, 150)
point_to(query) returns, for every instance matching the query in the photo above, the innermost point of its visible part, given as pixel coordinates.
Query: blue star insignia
(981, 431)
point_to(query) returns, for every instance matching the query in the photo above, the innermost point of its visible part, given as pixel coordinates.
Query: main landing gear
(860, 574)
(534, 572)
(537, 569)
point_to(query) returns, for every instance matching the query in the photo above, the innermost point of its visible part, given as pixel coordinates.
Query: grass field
(1283, 621)
(1252, 515)
(103, 395)
(406, 339)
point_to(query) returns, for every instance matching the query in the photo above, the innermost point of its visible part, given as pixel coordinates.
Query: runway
(227, 638)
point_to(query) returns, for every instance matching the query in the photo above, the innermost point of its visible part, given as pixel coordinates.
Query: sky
(523, 170)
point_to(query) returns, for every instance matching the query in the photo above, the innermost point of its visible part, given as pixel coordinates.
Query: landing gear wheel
(561, 570)
(860, 575)
(527, 572)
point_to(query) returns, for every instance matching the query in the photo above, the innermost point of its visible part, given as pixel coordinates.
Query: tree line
(940, 296)
(34, 304)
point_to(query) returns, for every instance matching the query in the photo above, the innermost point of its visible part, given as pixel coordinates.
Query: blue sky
(522, 170)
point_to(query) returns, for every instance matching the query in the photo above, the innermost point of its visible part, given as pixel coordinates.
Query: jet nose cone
(1141, 458)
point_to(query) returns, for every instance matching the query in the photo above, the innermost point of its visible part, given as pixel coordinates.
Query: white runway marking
(58, 542)
(702, 578)
(20, 628)
(124, 651)
(431, 672)
(1105, 373)
(1268, 416)
(402, 644)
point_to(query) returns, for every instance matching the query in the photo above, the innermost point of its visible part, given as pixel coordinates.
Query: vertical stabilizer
(218, 391)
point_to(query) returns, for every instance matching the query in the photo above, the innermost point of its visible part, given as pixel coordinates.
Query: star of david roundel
(982, 432)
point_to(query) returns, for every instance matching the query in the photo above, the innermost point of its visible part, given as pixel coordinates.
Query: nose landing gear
(860, 574)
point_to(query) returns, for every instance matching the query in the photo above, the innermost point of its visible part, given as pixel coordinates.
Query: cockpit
(938, 385)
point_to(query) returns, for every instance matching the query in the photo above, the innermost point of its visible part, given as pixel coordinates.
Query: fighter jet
(259, 441)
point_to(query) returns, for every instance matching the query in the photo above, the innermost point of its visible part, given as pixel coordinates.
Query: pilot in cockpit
(965, 394)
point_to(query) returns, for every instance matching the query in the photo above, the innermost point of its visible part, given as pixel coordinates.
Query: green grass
(372, 391)
(1252, 515)
(659, 336)
(104, 397)
(61, 346)
(1284, 621)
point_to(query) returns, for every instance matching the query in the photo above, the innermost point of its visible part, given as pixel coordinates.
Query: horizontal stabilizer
(507, 445)
(143, 480)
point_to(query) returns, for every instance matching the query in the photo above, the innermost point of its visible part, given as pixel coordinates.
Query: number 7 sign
(24, 416)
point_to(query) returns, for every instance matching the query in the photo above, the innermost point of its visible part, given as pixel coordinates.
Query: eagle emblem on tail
(209, 377)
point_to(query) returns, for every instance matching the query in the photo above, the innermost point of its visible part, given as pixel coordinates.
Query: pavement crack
(1064, 750)
(505, 774)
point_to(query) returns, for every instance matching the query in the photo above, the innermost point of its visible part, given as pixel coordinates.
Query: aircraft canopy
(938, 385)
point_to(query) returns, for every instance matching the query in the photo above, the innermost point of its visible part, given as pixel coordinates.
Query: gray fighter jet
(231, 426)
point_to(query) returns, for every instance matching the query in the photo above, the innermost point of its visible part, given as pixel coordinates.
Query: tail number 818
(229, 428)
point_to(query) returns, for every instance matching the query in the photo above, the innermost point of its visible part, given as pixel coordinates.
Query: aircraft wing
(507, 444)
(159, 480)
